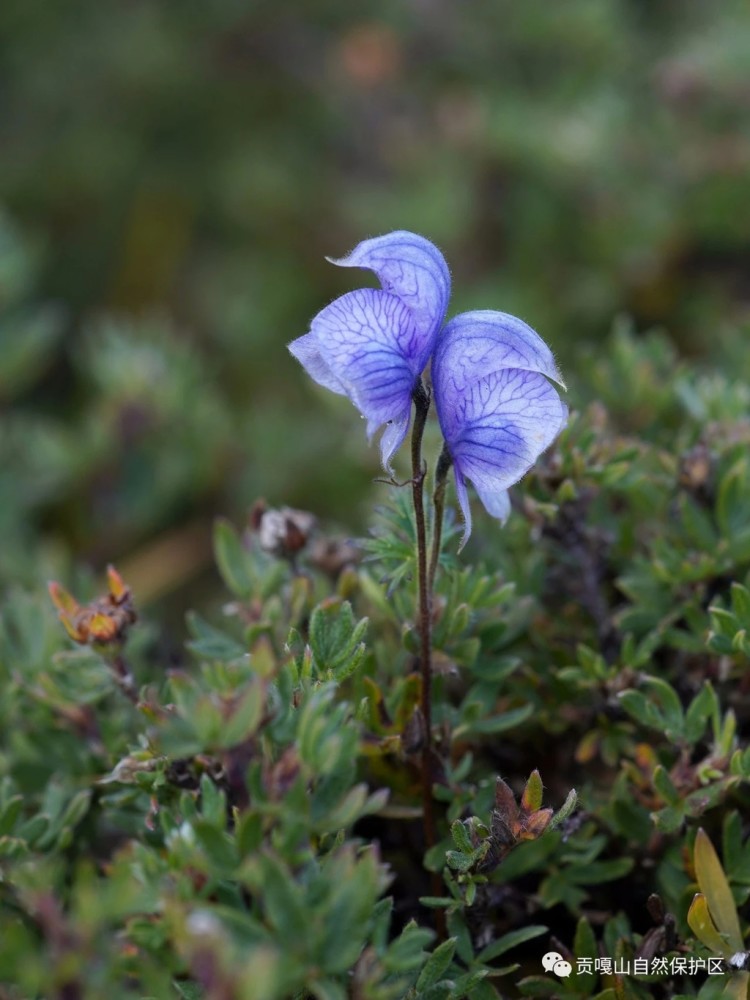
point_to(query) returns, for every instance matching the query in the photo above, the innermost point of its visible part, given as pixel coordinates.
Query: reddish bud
(535, 824)
(505, 802)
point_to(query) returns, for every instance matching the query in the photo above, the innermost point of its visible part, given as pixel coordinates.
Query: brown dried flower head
(103, 621)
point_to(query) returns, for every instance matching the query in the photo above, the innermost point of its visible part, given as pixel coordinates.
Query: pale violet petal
(476, 344)
(392, 439)
(414, 270)
(365, 338)
(501, 425)
(496, 503)
(306, 351)
(463, 502)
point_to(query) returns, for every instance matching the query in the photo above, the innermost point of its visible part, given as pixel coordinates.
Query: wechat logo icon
(554, 962)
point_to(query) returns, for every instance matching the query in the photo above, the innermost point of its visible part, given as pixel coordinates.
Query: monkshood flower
(497, 410)
(372, 345)
(496, 406)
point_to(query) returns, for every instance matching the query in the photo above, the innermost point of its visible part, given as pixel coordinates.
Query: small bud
(532, 794)
(535, 824)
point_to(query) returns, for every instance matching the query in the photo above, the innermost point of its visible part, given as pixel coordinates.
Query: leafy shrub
(245, 821)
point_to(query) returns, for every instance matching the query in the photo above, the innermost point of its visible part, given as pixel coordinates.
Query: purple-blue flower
(491, 372)
(497, 410)
(372, 345)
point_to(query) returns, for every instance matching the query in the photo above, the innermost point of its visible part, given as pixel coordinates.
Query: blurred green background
(173, 174)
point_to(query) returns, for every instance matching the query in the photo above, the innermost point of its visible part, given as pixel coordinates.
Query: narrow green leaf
(436, 964)
(531, 800)
(232, 559)
(713, 884)
(496, 723)
(510, 940)
(565, 810)
(700, 923)
(665, 787)
(10, 814)
(245, 715)
(700, 712)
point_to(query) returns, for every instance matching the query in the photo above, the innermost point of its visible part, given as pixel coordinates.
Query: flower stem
(123, 677)
(421, 397)
(438, 501)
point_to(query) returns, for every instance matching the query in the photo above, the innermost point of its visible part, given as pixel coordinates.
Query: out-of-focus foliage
(173, 175)
(247, 825)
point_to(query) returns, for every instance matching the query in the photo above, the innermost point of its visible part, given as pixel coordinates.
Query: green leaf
(510, 940)
(665, 787)
(246, 714)
(602, 871)
(638, 706)
(532, 795)
(461, 837)
(702, 709)
(406, 952)
(459, 861)
(436, 964)
(741, 604)
(458, 929)
(539, 986)
(232, 559)
(731, 844)
(10, 813)
(738, 986)
(335, 639)
(495, 724)
(669, 819)
(713, 884)
(282, 899)
(565, 810)
(13, 848)
(731, 500)
(211, 643)
(189, 991)
(218, 846)
(213, 803)
(701, 924)
(698, 524)
(584, 946)
(328, 989)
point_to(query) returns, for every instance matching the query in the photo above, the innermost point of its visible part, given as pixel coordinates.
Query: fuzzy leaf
(532, 794)
(436, 964)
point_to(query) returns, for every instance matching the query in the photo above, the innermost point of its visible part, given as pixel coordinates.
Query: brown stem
(438, 501)
(421, 399)
(123, 677)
